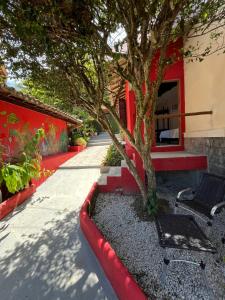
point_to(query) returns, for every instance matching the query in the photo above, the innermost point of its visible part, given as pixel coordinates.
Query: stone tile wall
(213, 147)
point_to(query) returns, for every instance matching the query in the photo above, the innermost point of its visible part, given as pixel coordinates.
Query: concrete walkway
(43, 254)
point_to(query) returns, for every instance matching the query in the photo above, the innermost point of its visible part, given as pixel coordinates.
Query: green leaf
(205, 15)
(1, 178)
(11, 182)
(14, 176)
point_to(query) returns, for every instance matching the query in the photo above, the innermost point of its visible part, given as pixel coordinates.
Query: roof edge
(10, 95)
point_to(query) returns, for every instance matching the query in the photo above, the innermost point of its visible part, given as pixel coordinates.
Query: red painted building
(173, 81)
(168, 151)
(21, 116)
(195, 140)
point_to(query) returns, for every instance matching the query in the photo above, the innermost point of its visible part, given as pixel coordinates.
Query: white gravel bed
(136, 243)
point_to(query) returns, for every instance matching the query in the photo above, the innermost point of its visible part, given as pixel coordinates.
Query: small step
(178, 161)
(114, 171)
(102, 179)
(175, 154)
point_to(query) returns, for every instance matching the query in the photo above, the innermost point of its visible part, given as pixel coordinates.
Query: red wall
(173, 72)
(18, 124)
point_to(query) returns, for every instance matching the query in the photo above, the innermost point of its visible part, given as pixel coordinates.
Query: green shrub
(89, 126)
(87, 138)
(77, 134)
(74, 136)
(17, 176)
(80, 141)
(113, 157)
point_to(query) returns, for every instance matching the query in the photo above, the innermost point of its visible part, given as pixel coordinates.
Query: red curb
(121, 280)
(10, 204)
(76, 148)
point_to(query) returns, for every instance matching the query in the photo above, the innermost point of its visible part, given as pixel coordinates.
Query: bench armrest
(182, 192)
(217, 206)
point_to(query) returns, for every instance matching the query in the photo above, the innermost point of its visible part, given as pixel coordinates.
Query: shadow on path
(50, 265)
(43, 254)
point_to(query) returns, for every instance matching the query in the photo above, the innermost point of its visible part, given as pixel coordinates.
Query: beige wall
(205, 90)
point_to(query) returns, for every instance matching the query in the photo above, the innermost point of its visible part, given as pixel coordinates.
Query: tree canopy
(71, 49)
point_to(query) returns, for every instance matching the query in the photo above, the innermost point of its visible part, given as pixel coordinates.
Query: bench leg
(167, 261)
(209, 228)
(164, 271)
(175, 208)
(205, 280)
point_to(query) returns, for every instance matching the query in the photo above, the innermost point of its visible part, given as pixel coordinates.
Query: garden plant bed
(121, 280)
(11, 203)
(135, 241)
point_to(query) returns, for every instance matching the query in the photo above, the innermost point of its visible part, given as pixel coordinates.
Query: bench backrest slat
(211, 190)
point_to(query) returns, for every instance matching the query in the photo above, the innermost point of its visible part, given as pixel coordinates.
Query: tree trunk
(152, 203)
(131, 167)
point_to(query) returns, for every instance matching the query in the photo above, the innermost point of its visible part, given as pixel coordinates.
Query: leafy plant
(156, 206)
(80, 141)
(31, 149)
(13, 176)
(18, 176)
(113, 157)
(152, 205)
(88, 128)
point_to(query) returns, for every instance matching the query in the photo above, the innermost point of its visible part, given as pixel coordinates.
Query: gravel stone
(136, 243)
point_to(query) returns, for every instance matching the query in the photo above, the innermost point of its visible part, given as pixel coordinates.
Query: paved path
(43, 254)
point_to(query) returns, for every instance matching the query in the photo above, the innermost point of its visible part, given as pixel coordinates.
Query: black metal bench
(182, 232)
(206, 201)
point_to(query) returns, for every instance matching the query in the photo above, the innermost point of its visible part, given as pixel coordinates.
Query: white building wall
(205, 90)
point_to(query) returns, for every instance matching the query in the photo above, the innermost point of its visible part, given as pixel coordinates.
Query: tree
(31, 88)
(71, 48)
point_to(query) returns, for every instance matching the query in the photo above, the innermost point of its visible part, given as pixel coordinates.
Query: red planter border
(121, 280)
(76, 148)
(10, 204)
